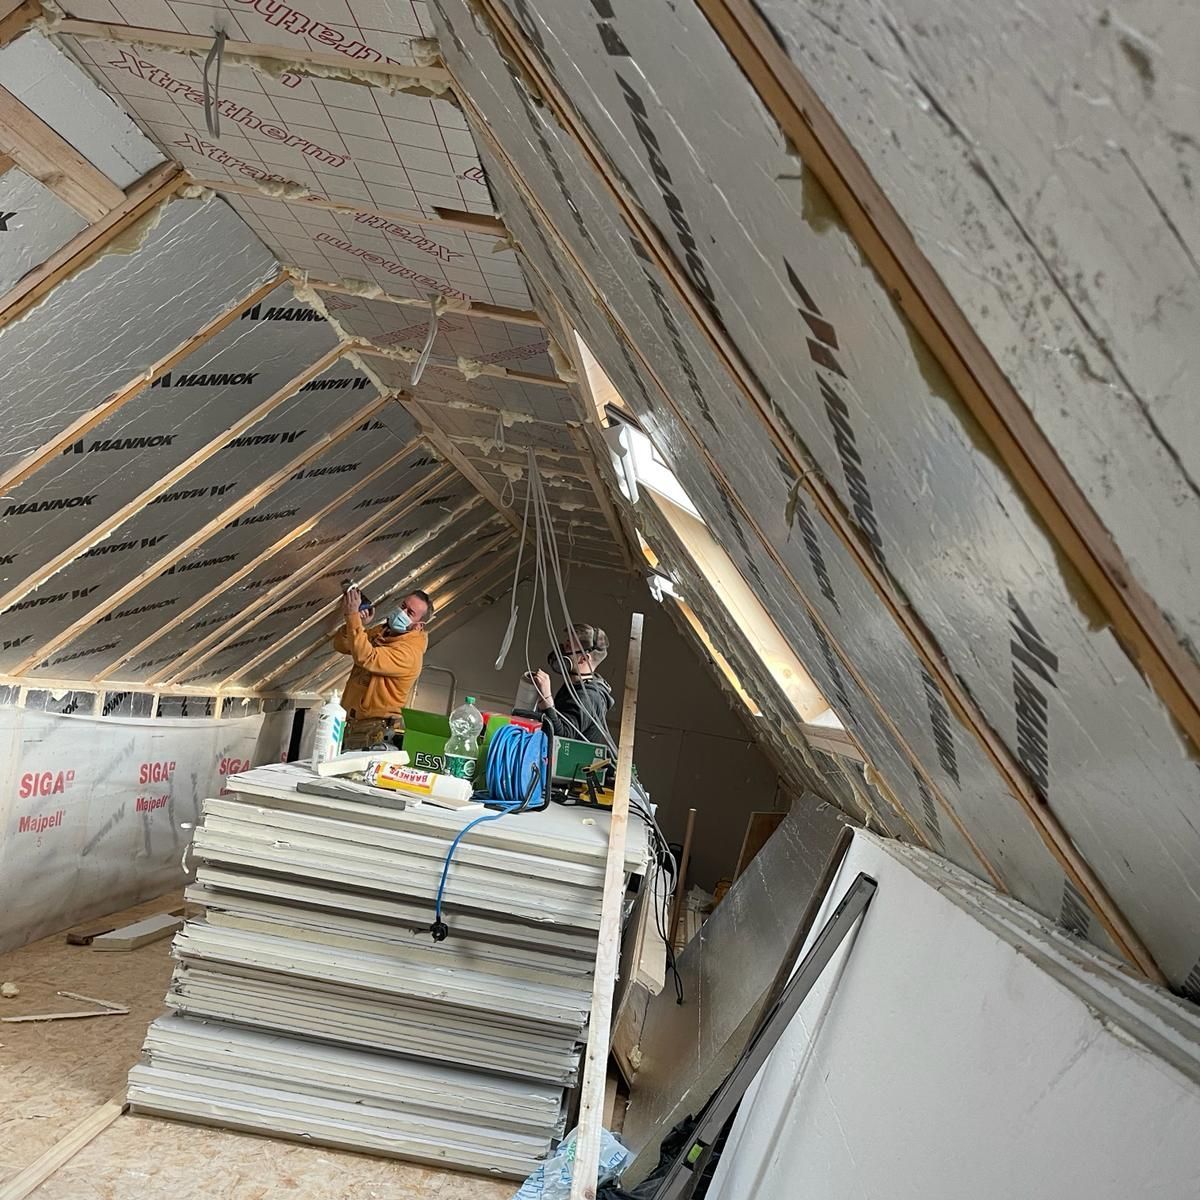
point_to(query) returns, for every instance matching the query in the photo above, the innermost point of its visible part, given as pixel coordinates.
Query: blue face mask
(399, 621)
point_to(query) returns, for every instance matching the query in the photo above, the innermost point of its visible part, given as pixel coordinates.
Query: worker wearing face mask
(579, 709)
(387, 662)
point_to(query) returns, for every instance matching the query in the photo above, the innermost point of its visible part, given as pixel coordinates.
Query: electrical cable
(518, 760)
(211, 93)
(423, 358)
(547, 566)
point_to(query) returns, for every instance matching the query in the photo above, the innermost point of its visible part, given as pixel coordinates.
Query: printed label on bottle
(460, 767)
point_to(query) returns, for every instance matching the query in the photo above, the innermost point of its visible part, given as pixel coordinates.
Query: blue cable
(517, 763)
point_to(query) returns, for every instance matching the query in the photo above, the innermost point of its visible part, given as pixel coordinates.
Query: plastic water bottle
(462, 747)
(331, 725)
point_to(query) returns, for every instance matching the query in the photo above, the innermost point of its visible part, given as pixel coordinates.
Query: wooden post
(681, 880)
(608, 949)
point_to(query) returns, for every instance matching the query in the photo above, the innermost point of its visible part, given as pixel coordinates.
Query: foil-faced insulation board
(200, 497)
(951, 527)
(335, 535)
(342, 141)
(36, 224)
(159, 429)
(459, 335)
(248, 538)
(403, 259)
(136, 301)
(54, 88)
(365, 31)
(1058, 208)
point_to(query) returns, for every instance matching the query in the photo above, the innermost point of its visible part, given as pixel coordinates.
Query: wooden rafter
(101, 529)
(242, 622)
(369, 291)
(1049, 828)
(1023, 446)
(588, 447)
(111, 686)
(846, 662)
(86, 422)
(234, 579)
(447, 218)
(190, 543)
(492, 370)
(421, 572)
(45, 155)
(272, 59)
(17, 18)
(324, 611)
(152, 189)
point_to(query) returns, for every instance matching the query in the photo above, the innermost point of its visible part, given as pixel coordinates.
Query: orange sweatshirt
(384, 671)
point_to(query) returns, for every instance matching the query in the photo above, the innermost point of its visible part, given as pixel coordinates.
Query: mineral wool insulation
(863, 398)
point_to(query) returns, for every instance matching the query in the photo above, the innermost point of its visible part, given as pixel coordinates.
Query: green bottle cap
(470, 699)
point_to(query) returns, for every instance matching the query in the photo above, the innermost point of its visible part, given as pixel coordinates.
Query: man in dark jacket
(579, 709)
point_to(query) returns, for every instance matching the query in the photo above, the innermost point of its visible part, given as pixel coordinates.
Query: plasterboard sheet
(36, 223)
(575, 835)
(384, 1023)
(141, 298)
(200, 497)
(458, 988)
(728, 973)
(418, 539)
(222, 891)
(335, 1071)
(157, 430)
(365, 31)
(335, 531)
(943, 510)
(343, 141)
(971, 788)
(280, 1110)
(1077, 267)
(405, 942)
(232, 547)
(48, 83)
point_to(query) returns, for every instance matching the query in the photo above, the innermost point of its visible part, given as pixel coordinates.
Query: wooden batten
(185, 547)
(88, 421)
(152, 189)
(45, 155)
(320, 63)
(265, 605)
(447, 218)
(286, 540)
(103, 528)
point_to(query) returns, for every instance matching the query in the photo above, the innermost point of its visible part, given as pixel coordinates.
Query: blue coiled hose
(517, 773)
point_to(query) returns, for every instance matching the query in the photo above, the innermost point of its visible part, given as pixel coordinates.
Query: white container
(330, 727)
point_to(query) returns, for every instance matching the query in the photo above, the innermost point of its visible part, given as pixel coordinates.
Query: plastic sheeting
(93, 810)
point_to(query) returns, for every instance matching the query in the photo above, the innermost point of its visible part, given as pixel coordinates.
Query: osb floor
(52, 1075)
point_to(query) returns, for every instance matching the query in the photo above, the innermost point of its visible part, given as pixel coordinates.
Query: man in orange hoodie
(387, 661)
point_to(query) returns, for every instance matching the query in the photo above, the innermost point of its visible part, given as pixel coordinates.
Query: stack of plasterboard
(311, 1001)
